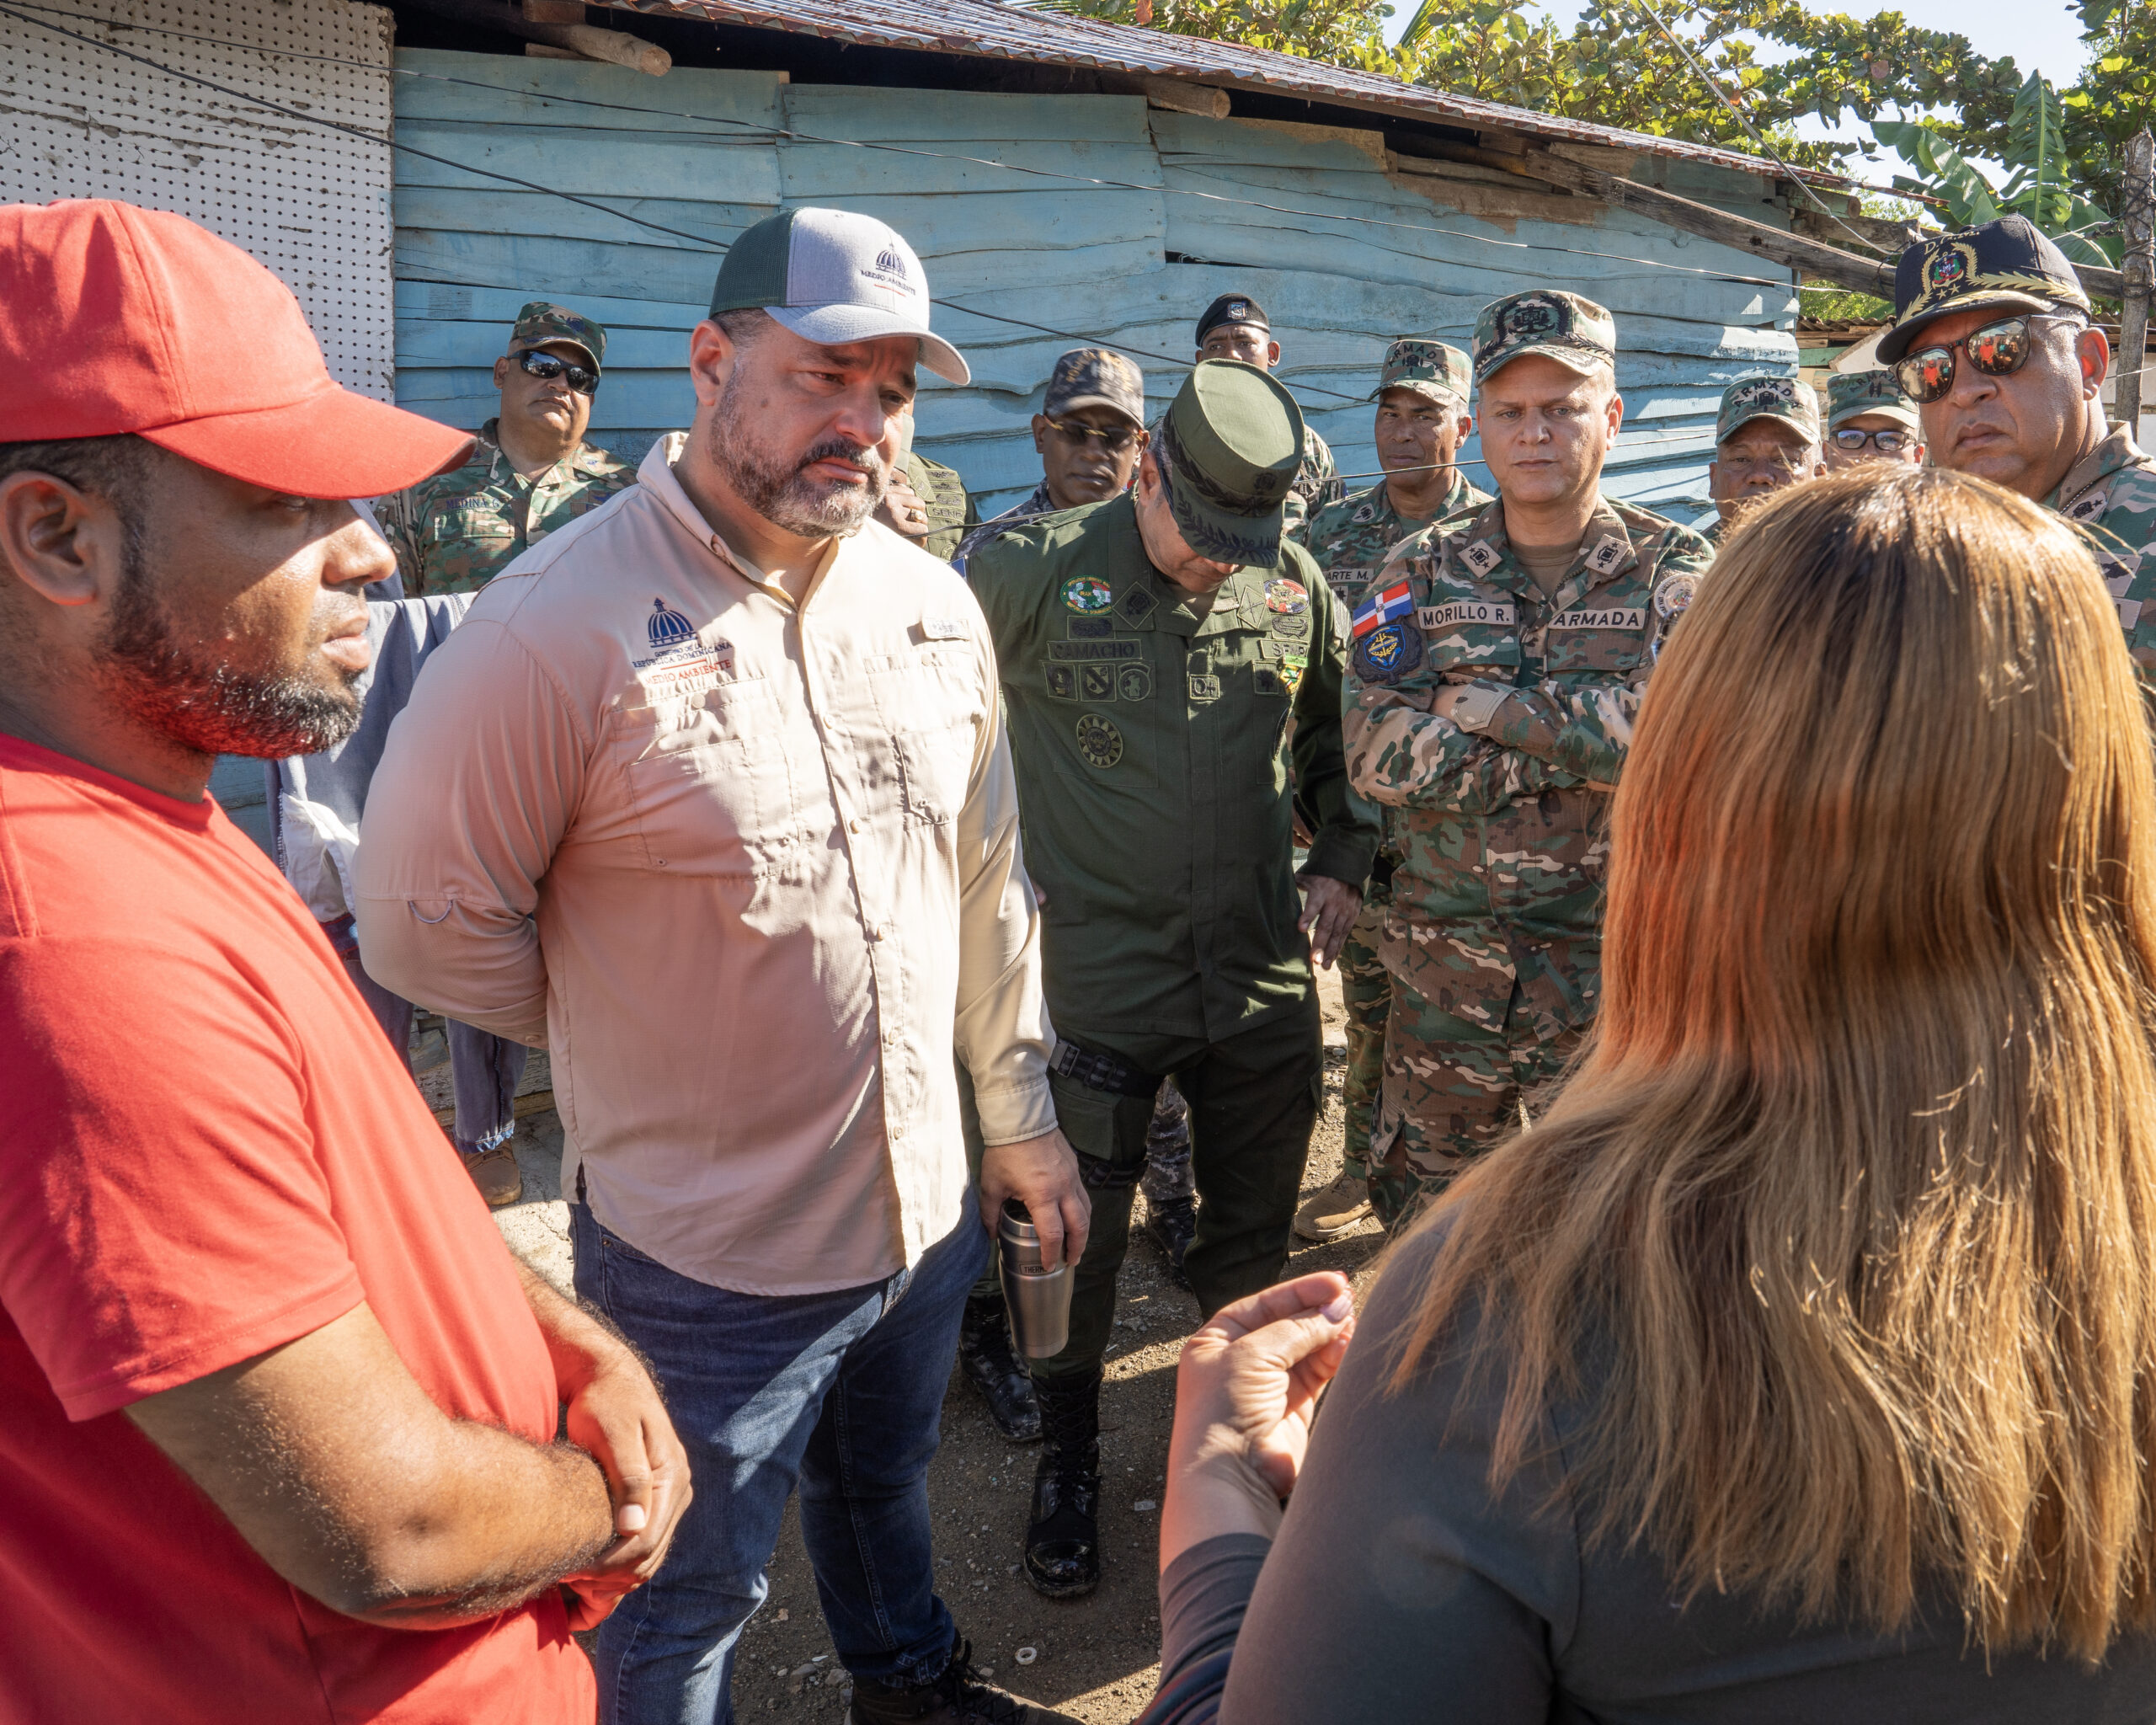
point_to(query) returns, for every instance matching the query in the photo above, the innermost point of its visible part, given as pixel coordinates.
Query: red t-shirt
(207, 1150)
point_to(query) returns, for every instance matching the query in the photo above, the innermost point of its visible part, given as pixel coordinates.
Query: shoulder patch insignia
(1367, 512)
(1097, 682)
(1284, 594)
(1387, 653)
(1609, 551)
(1292, 667)
(1099, 742)
(2087, 509)
(1062, 683)
(1267, 680)
(1134, 682)
(1137, 604)
(1479, 558)
(1674, 596)
(1291, 625)
(1087, 593)
(1091, 628)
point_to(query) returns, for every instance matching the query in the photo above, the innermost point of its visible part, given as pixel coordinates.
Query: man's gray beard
(778, 489)
(200, 702)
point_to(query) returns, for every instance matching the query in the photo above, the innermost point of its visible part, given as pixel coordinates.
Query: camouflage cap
(1851, 395)
(1572, 330)
(1229, 446)
(1790, 399)
(2006, 263)
(1094, 377)
(1231, 308)
(1429, 368)
(539, 322)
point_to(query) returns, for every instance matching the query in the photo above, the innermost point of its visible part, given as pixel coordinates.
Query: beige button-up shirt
(752, 873)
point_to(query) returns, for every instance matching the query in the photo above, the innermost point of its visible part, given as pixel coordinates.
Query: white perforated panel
(76, 121)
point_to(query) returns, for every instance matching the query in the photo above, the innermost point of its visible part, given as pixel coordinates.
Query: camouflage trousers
(1167, 1149)
(1366, 991)
(1453, 1087)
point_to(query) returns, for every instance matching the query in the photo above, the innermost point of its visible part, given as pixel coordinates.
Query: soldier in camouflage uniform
(1234, 327)
(1497, 668)
(1422, 420)
(1992, 340)
(1766, 437)
(925, 501)
(1869, 418)
(529, 474)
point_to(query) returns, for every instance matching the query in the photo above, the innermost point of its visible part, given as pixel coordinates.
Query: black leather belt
(1097, 1070)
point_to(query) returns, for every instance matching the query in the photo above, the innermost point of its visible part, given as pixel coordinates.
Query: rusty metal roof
(993, 30)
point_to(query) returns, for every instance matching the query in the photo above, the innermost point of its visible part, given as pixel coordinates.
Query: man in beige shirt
(711, 793)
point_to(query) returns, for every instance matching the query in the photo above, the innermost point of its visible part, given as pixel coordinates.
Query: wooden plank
(937, 117)
(819, 173)
(556, 269)
(713, 225)
(516, 92)
(593, 163)
(424, 343)
(466, 395)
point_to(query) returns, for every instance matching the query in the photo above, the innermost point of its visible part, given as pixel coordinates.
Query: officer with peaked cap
(1422, 420)
(1234, 327)
(531, 472)
(1766, 437)
(1869, 418)
(1992, 340)
(1154, 651)
(1495, 670)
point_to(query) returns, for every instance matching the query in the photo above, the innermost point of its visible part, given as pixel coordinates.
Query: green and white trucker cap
(833, 276)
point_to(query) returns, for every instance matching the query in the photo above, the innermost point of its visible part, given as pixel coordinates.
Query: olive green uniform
(950, 507)
(456, 531)
(1157, 808)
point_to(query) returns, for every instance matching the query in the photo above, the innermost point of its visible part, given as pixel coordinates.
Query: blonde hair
(1853, 1190)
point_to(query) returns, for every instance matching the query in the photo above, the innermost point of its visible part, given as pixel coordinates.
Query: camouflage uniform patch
(1353, 539)
(1317, 482)
(950, 510)
(2111, 491)
(1500, 812)
(456, 531)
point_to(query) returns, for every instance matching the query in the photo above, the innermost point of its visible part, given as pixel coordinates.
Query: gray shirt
(1400, 1590)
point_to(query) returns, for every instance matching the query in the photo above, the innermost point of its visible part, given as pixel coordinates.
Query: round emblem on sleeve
(1388, 653)
(1367, 512)
(1673, 595)
(1098, 740)
(1087, 594)
(1284, 594)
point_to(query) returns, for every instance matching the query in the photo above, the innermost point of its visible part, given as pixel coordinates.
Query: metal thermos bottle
(1037, 1298)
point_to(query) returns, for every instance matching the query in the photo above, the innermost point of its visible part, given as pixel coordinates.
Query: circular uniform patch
(1098, 740)
(1388, 653)
(1134, 682)
(1282, 593)
(1087, 594)
(1673, 595)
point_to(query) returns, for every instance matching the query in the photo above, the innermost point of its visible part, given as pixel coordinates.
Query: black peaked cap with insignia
(2007, 264)
(1231, 308)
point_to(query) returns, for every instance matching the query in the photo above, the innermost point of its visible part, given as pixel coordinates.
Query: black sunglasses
(583, 381)
(1114, 439)
(1849, 441)
(1998, 351)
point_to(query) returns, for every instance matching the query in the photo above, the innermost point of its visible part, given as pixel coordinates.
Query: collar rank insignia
(1138, 603)
(1367, 512)
(1479, 558)
(1607, 553)
(2088, 508)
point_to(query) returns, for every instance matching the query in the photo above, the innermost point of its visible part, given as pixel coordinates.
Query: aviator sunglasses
(1998, 351)
(581, 379)
(1114, 439)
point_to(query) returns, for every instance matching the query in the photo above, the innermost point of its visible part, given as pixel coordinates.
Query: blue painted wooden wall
(1092, 261)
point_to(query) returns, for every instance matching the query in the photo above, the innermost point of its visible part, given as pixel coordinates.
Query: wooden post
(2137, 215)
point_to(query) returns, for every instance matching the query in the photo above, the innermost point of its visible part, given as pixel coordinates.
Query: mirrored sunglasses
(1114, 439)
(581, 379)
(1850, 441)
(1998, 351)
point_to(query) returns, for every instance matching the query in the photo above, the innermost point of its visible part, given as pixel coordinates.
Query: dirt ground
(1095, 1658)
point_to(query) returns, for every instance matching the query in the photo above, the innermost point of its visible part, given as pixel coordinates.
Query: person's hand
(902, 509)
(616, 1413)
(1330, 908)
(1041, 1174)
(1245, 1387)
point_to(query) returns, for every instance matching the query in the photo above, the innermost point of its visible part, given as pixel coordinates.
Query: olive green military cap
(1852, 395)
(1790, 399)
(539, 322)
(1571, 329)
(1429, 368)
(1231, 445)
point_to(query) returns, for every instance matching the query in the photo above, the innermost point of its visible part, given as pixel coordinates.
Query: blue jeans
(842, 1393)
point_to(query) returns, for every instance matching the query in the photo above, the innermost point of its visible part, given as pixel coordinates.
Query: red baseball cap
(115, 319)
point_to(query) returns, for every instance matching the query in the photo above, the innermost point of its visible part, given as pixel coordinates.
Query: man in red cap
(281, 1408)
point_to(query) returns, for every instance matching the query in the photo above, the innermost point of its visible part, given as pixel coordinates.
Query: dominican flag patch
(1381, 608)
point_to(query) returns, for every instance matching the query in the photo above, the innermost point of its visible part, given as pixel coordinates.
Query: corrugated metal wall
(1391, 250)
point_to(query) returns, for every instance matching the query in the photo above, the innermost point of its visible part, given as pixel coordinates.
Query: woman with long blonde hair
(1801, 1362)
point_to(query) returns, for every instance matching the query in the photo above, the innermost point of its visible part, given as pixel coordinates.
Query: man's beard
(779, 488)
(201, 703)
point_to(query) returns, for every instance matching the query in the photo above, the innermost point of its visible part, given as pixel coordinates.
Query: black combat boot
(985, 1352)
(1171, 1225)
(960, 1697)
(1063, 1536)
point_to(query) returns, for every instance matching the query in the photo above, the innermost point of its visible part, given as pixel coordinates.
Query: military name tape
(1092, 650)
(1498, 612)
(1633, 616)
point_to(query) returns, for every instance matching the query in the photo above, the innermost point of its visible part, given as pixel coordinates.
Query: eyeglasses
(1779, 460)
(584, 382)
(1114, 439)
(1850, 441)
(1998, 351)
